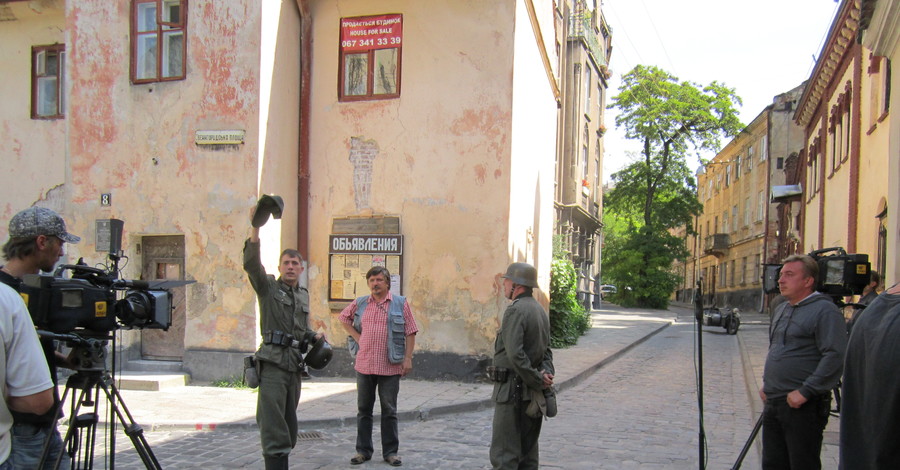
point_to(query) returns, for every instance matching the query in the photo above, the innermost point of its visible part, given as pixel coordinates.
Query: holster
(497, 374)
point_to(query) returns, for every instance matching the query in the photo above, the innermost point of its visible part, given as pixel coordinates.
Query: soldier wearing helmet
(522, 370)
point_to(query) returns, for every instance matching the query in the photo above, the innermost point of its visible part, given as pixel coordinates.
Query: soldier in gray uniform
(522, 369)
(283, 308)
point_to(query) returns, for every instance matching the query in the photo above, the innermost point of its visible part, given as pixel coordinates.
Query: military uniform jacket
(523, 346)
(281, 307)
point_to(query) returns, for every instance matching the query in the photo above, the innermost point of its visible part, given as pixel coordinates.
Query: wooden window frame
(38, 71)
(162, 29)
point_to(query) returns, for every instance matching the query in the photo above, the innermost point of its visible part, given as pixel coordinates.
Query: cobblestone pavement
(640, 411)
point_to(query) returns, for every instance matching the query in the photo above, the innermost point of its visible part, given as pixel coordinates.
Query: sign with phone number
(363, 33)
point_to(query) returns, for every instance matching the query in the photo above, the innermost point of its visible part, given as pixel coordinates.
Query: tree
(657, 192)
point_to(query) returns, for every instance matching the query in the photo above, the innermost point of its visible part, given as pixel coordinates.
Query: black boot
(278, 462)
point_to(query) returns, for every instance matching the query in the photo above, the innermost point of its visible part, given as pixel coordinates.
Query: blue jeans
(28, 446)
(388, 386)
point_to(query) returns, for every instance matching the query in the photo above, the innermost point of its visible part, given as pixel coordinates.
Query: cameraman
(807, 341)
(24, 376)
(36, 239)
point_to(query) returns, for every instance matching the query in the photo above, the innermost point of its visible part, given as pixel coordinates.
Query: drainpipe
(303, 148)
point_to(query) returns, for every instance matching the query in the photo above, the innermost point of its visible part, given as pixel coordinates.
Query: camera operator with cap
(807, 341)
(24, 376)
(283, 309)
(36, 239)
(522, 370)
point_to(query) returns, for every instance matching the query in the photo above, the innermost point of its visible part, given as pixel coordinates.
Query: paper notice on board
(349, 291)
(337, 266)
(351, 261)
(337, 287)
(395, 284)
(393, 264)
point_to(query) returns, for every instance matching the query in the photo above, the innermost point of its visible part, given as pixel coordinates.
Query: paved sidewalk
(330, 401)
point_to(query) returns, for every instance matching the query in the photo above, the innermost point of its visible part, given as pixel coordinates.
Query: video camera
(89, 303)
(840, 274)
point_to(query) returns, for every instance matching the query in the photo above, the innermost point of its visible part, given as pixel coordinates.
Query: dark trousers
(514, 440)
(792, 438)
(276, 409)
(388, 386)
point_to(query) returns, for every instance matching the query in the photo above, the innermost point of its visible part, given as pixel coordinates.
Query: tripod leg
(737, 464)
(133, 430)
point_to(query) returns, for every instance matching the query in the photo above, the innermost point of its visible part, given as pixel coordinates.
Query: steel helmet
(320, 355)
(523, 274)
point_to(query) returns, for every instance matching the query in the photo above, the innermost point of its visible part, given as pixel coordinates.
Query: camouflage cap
(36, 221)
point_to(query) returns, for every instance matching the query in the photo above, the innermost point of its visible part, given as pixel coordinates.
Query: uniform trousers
(514, 443)
(276, 409)
(792, 437)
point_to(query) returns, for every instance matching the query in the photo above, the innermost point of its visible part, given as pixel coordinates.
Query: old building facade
(417, 135)
(578, 196)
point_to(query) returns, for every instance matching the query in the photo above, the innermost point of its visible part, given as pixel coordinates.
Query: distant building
(578, 196)
(738, 230)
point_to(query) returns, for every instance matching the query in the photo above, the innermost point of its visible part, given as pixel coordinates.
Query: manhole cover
(309, 436)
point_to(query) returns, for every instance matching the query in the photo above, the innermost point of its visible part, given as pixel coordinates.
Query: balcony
(716, 244)
(582, 27)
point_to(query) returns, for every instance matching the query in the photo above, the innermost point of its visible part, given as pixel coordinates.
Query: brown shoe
(394, 461)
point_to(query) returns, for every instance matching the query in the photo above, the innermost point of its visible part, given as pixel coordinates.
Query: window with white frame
(158, 40)
(763, 148)
(761, 206)
(587, 89)
(48, 76)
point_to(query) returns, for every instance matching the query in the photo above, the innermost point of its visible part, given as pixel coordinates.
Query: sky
(761, 49)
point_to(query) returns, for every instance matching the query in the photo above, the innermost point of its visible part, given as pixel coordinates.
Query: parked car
(607, 289)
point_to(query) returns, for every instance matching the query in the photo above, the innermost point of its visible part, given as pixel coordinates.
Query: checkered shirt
(372, 358)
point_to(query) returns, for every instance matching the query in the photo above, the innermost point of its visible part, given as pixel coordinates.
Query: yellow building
(737, 231)
(845, 115)
(419, 135)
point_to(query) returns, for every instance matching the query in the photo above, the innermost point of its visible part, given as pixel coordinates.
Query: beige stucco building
(419, 135)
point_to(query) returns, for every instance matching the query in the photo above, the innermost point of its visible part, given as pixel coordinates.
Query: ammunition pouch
(280, 338)
(497, 374)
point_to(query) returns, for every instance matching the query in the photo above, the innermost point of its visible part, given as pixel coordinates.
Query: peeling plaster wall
(443, 164)
(32, 150)
(137, 143)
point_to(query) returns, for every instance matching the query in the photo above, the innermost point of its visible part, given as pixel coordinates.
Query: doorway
(163, 258)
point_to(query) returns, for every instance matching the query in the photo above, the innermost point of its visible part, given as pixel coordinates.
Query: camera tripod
(84, 412)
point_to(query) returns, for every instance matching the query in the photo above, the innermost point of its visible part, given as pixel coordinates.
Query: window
(757, 271)
(747, 211)
(48, 97)
(723, 269)
(370, 57)
(763, 148)
(737, 167)
(587, 90)
(733, 265)
(761, 206)
(734, 218)
(750, 158)
(158, 40)
(744, 271)
(727, 176)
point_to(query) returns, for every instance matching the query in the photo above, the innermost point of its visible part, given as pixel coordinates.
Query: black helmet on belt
(320, 355)
(522, 274)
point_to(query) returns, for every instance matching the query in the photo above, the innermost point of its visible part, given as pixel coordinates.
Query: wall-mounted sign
(232, 137)
(363, 33)
(353, 255)
(372, 244)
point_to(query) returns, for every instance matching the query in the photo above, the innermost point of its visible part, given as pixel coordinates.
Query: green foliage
(568, 318)
(656, 193)
(234, 381)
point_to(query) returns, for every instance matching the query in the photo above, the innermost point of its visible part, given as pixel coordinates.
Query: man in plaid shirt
(375, 368)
